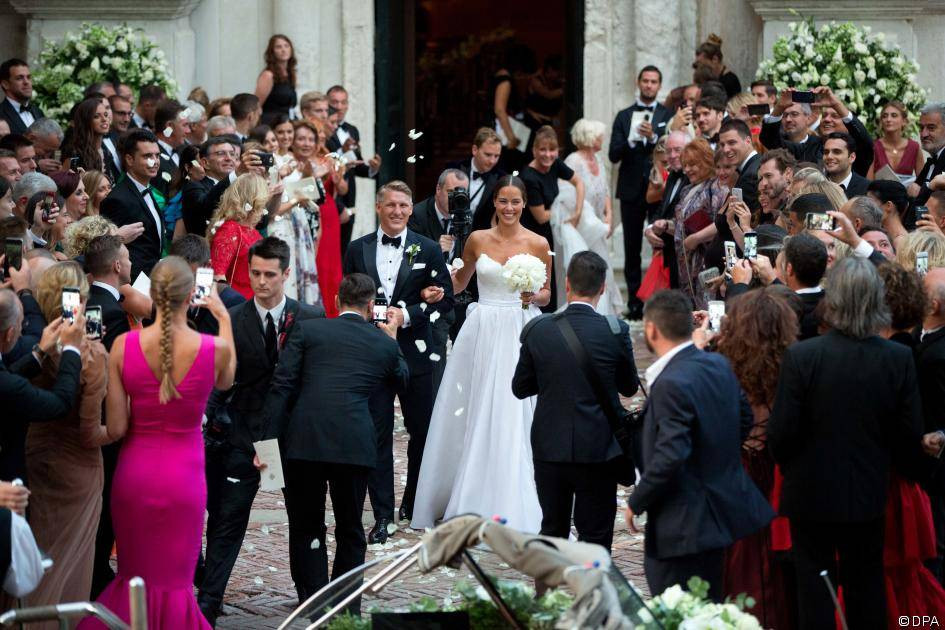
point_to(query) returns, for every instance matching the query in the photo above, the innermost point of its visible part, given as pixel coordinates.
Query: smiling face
(772, 183)
(77, 203)
(932, 132)
(830, 121)
(837, 159)
(303, 143)
(708, 120)
(734, 147)
(220, 160)
(145, 162)
(284, 134)
(393, 210)
(509, 204)
(101, 120)
(694, 169)
(486, 156)
(880, 243)
(545, 152)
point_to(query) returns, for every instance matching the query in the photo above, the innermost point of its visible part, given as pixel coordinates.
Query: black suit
(230, 455)
(666, 209)
(166, 173)
(124, 205)
(856, 187)
(485, 210)
(844, 410)
(13, 117)
(31, 331)
(319, 408)
(929, 353)
(194, 210)
(698, 497)
(635, 165)
(810, 320)
(114, 317)
(361, 170)
(34, 405)
(417, 400)
(935, 165)
(812, 149)
(571, 437)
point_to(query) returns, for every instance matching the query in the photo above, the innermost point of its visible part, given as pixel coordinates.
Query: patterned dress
(707, 196)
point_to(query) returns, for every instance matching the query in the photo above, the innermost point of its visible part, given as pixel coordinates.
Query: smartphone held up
(71, 303)
(203, 285)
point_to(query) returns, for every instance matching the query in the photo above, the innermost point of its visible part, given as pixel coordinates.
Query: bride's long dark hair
(510, 180)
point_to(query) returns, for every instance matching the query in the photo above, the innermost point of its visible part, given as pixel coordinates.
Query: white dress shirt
(741, 166)
(653, 372)
(24, 114)
(341, 134)
(149, 201)
(846, 181)
(387, 260)
(275, 311)
(138, 120)
(169, 152)
(108, 288)
(26, 560)
(476, 187)
(112, 152)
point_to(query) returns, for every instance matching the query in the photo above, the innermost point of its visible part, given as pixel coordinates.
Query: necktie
(476, 175)
(146, 191)
(270, 336)
(446, 225)
(390, 240)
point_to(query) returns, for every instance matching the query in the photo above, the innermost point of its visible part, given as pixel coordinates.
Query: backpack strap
(531, 324)
(614, 324)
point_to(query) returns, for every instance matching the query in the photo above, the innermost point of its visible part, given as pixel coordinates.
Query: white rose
(809, 52)
(860, 76)
(672, 596)
(95, 65)
(796, 77)
(870, 62)
(877, 98)
(121, 45)
(825, 79)
(861, 48)
(116, 62)
(783, 67)
(841, 83)
(872, 73)
(881, 84)
(806, 77)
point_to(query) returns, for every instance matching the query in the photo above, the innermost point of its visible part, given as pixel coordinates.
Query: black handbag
(626, 425)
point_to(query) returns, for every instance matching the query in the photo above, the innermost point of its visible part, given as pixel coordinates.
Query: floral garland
(97, 53)
(861, 67)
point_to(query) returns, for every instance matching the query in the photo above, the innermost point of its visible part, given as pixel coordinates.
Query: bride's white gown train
(478, 455)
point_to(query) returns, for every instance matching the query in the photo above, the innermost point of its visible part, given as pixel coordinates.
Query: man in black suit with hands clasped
(318, 406)
(572, 441)
(632, 146)
(411, 274)
(18, 108)
(236, 418)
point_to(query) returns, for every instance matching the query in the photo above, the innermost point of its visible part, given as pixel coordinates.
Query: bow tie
(476, 175)
(390, 240)
(146, 191)
(648, 108)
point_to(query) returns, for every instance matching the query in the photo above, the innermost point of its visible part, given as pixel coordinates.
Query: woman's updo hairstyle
(172, 280)
(510, 180)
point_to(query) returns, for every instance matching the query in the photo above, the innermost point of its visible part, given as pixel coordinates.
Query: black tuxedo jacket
(932, 168)
(930, 365)
(748, 182)
(666, 209)
(317, 404)
(362, 170)
(694, 487)
(635, 161)
(482, 217)
(203, 321)
(570, 425)
(254, 368)
(166, 173)
(812, 150)
(13, 117)
(835, 437)
(427, 268)
(33, 405)
(857, 186)
(194, 210)
(124, 205)
(810, 322)
(32, 330)
(114, 318)
(426, 220)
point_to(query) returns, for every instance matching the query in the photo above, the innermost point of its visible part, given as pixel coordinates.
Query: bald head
(935, 289)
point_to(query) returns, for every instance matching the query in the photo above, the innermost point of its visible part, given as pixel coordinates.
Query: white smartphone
(71, 302)
(737, 194)
(716, 312)
(922, 263)
(203, 284)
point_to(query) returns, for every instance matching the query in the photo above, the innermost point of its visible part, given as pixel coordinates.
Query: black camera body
(460, 217)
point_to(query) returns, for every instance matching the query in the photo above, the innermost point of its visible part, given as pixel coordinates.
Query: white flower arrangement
(524, 273)
(691, 610)
(97, 53)
(862, 68)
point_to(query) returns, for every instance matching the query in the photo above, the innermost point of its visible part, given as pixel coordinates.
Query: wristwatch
(39, 353)
(23, 292)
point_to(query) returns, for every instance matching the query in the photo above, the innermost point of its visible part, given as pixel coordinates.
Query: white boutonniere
(412, 252)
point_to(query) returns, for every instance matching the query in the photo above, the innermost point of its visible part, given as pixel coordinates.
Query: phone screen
(203, 285)
(922, 263)
(731, 255)
(93, 322)
(819, 221)
(751, 245)
(70, 303)
(737, 194)
(802, 97)
(380, 311)
(716, 311)
(13, 252)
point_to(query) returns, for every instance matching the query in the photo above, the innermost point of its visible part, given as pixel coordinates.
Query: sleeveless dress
(328, 256)
(160, 492)
(281, 100)
(905, 170)
(478, 454)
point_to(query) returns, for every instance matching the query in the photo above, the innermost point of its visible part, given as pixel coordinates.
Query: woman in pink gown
(163, 375)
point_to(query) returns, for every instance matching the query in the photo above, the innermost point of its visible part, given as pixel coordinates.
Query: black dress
(542, 189)
(281, 99)
(512, 159)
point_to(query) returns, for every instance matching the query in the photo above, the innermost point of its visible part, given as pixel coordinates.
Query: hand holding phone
(802, 96)
(380, 310)
(93, 322)
(203, 285)
(71, 302)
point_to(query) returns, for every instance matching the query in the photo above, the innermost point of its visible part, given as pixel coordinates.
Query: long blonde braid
(171, 284)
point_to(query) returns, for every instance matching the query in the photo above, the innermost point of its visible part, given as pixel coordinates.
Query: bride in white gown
(478, 455)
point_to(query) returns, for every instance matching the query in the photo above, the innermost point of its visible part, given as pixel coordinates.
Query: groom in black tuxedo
(411, 271)
(572, 442)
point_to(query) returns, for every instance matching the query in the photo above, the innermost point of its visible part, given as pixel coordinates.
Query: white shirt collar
(141, 187)
(846, 181)
(640, 103)
(168, 149)
(939, 154)
(750, 155)
(108, 288)
(138, 120)
(275, 310)
(402, 235)
(653, 372)
(806, 290)
(16, 104)
(360, 315)
(587, 304)
(439, 213)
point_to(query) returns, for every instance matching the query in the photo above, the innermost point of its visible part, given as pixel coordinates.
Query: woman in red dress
(328, 256)
(903, 155)
(233, 231)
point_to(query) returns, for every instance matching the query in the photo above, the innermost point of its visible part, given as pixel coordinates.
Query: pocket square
(419, 266)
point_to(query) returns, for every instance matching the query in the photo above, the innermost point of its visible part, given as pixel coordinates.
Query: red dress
(906, 165)
(328, 256)
(228, 255)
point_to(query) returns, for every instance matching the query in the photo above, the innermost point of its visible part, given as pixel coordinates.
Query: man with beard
(775, 174)
(932, 135)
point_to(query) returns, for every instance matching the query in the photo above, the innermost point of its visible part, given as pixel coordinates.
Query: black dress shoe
(378, 534)
(403, 514)
(634, 312)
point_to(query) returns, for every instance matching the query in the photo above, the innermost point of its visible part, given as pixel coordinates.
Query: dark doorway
(435, 60)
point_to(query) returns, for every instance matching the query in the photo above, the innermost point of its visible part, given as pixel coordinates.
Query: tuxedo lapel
(404, 271)
(369, 253)
(252, 329)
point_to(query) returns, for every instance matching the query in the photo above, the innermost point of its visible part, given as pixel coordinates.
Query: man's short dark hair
(270, 248)
(14, 141)
(151, 93)
(671, 311)
(167, 110)
(356, 291)
(193, 248)
(97, 89)
(808, 257)
(242, 105)
(735, 124)
(888, 190)
(128, 143)
(587, 272)
(336, 88)
(783, 158)
(811, 202)
(711, 102)
(770, 90)
(8, 65)
(215, 141)
(650, 68)
(13, 227)
(847, 140)
(101, 254)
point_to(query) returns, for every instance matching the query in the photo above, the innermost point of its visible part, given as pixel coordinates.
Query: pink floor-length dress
(160, 493)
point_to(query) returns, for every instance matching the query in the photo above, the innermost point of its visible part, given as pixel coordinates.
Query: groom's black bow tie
(390, 240)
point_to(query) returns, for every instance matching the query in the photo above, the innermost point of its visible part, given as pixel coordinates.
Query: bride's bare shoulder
(537, 243)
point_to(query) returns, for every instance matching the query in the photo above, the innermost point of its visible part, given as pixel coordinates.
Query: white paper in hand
(142, 284)
(271, 477)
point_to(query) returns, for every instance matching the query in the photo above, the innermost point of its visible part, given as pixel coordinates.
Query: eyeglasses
(231, 154)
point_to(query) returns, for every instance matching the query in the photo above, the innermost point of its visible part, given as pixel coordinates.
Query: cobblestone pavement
(261, 594)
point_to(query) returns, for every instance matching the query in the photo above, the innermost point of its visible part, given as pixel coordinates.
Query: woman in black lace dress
(275, 86)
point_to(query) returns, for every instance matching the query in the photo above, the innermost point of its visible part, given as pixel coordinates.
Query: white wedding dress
(478, 454)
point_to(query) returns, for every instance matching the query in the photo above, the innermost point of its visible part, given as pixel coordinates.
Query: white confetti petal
(250, 546)
(621, 493)
(459, 411)
(265, 530)
(421, 345)
(551, 253)
(435, 315)
(414, 134)
(423, 306)
(458, 264)
(434, 357)
(412, 159)
(232, 480)
(248, 207)
(166, 176)
(514, 173)
(391, 528)
(150, 162)
(421, 157)
(401, 304)
(316, 543)
(168, 132)
(195, 163)
(433, 273)
(392, 145)
(273, 570)
(258, 581)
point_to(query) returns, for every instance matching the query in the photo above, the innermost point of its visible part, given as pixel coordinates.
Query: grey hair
(219, 122)
(855, 298)
(585, 131)
(934, 108)
(805, 107)
(10, 309)
(32, 183)
(936, 292)
(193, 111)
(46, 127)
(867, 211)
(455, 172)
(809, 175)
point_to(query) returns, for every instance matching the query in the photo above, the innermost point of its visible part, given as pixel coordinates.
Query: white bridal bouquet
(524, 273)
